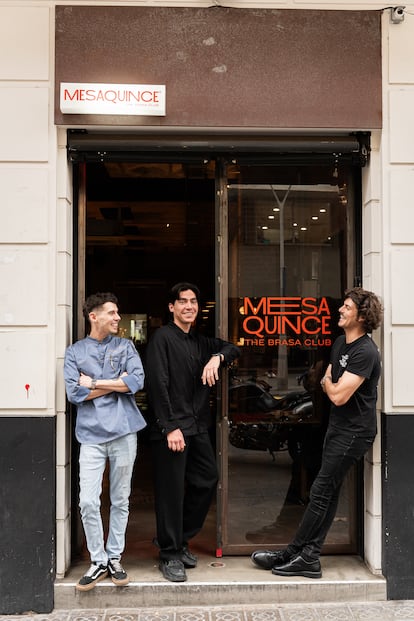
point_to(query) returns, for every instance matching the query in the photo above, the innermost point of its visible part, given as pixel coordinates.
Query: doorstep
(226, 581)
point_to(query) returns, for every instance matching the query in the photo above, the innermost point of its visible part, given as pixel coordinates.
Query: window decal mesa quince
(288, 321)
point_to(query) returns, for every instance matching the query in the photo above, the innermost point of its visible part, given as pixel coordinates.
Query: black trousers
(184, 486)
(341, 451)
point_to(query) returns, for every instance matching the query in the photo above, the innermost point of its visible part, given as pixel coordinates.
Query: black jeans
(184, 487)
(340, 452)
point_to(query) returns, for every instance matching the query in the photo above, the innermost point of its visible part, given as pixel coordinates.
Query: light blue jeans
(121, 454)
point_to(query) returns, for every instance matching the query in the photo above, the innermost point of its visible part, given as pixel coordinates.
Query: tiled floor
(378, 611)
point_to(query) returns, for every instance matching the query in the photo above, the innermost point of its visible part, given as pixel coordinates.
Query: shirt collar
(181, 332)
(104, 341)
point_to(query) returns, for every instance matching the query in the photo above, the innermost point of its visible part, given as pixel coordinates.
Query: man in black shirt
(350, 382)
(181, 366)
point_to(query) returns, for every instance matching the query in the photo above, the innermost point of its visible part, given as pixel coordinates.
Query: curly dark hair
(96, 300)
(369, 307)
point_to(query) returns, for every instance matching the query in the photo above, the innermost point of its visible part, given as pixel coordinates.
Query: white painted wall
(36, 228)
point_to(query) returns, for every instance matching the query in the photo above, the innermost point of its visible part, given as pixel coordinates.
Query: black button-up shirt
(174, 364)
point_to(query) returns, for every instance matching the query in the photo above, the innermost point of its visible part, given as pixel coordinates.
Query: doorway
(142, 227)
(272, 248)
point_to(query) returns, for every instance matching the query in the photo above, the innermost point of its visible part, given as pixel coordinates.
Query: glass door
(291, 250)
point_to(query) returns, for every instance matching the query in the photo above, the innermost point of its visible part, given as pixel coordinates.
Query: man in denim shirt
(102, 374)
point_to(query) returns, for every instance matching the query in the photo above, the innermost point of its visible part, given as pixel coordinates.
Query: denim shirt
(112, 415)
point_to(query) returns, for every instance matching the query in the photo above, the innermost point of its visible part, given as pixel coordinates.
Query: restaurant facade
(263, 150)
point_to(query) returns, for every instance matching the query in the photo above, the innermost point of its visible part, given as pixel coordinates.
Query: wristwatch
(93, 384)
(220, 355)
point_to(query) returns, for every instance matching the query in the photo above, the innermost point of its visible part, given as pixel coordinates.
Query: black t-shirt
(362, 358)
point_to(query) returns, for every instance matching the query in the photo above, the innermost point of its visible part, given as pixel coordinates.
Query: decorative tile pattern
(123, 616)
(263, 615)
(354, 611)
(156, 615)
(403, 611)
(370, 611)
(86, 615)
(299, 613)
(335, 613)
(190, 615)
(227, 615)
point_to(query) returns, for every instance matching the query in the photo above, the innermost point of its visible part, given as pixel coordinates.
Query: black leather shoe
(188, 559)
(173, 570)
(299, 567)
(266, 559)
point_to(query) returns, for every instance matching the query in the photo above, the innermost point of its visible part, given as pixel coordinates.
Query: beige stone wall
(36, 230)
(35, 236)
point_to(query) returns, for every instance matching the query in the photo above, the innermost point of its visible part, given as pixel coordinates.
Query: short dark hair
(175, 291)
(369, 307)
(96, 300)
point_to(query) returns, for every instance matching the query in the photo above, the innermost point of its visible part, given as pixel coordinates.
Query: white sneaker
(117, 572)
(92, 576)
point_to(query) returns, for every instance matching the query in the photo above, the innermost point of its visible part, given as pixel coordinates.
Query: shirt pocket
(116, 363)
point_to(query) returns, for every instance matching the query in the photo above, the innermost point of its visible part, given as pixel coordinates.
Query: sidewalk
(353, 611)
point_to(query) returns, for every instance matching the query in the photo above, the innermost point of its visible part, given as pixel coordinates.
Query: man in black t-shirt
(350, 382)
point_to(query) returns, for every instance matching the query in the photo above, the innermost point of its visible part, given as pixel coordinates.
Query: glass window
(290, 256)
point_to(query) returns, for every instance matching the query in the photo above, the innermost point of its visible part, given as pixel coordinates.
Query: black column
(398, 504)
(27, 514)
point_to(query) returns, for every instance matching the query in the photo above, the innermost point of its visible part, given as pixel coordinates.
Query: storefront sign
(286, 321)
(125, 99)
